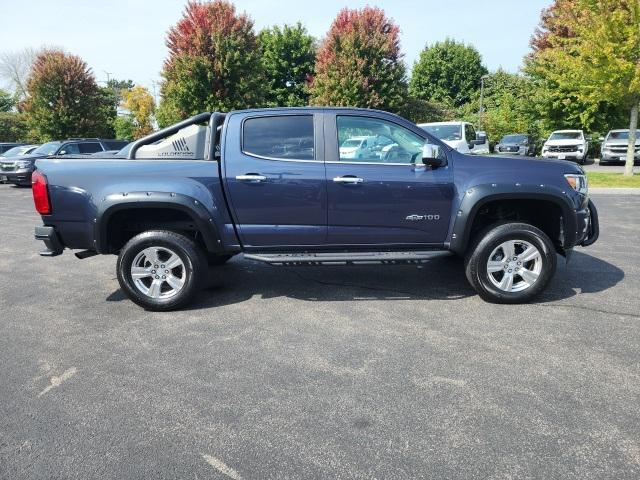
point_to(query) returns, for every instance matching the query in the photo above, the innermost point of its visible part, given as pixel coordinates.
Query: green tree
(213, 63)
(141, 106)
(288, 58)
(64, 100)
(447, 72)
(599, 61)
(13, 127)
(508, 106)
(359, 63)
(124, 127)
(7, 102)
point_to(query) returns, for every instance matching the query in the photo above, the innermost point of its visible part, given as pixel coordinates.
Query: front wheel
(161, 270)
(511, 263)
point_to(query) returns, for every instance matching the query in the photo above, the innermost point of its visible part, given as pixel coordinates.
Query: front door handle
(251, 177)
(348, 179)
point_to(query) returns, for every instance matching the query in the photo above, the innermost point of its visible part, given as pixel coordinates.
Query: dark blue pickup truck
(311, 186)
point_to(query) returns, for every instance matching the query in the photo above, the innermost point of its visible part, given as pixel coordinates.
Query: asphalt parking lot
(326, 372)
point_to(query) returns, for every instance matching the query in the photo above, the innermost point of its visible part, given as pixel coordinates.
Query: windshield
(125, 150)
(351, 143)
(47, 149)
(566, 136)
(14, 152)
(444, 132)
(612, 136)
(513, 139)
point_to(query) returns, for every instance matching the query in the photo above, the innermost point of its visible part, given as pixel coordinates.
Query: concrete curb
(614, 191)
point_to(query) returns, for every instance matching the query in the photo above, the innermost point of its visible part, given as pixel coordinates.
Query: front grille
(621, 150)
(563, 148)
(7, 167)
(509, 149)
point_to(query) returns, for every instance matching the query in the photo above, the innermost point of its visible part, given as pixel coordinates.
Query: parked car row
(18, 169)
(562, 144)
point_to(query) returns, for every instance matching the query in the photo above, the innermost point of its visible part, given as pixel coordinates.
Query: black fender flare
(133, 200)
(475, 197)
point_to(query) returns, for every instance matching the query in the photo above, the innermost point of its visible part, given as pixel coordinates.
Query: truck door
(390, 198)
(273, 167)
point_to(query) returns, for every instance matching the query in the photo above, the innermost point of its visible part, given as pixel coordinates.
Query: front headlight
(23, 164)
(578, 182)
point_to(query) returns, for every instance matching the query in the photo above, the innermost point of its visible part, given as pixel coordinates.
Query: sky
(126, 38)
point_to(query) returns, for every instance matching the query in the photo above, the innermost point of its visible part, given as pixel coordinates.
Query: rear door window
(286, 137)
(90, 147)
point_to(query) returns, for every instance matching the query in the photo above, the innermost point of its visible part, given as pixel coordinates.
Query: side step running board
(359, 258)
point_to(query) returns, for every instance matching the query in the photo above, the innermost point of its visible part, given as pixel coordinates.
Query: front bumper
(588, 225)
(51, 241)
(564, 155)
(617, 157)
(18, 177)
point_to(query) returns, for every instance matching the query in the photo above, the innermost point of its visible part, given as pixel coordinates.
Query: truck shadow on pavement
(439, 279)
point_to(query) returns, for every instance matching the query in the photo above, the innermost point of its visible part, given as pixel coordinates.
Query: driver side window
(373, 140)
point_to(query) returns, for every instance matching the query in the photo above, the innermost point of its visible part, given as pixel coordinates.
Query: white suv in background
(614, 147)
(566, 145)
(461, 136)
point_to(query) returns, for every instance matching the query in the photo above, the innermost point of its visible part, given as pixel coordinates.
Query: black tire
(217, 260)
(487, 241)
(193, 260)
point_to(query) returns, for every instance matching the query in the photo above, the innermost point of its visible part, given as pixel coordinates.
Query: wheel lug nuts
(166, 271)
(164, 277)
(519, 263)
(155, 266)
(153, 271)
(510, 271)
(161, 266)
(157, 277)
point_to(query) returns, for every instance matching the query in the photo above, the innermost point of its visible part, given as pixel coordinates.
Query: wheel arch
(479, 197)
(115, 204)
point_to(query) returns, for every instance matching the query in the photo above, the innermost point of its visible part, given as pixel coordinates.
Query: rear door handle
(348, 179)
(251, 177)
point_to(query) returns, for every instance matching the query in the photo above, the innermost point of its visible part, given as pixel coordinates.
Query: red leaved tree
(213, 63)
(359, 63)
(64, 100)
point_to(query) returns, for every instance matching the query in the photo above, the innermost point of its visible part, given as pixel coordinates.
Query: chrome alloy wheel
(158, 272)
(514, 265)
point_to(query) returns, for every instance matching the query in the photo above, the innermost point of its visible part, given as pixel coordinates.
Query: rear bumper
(51, 241)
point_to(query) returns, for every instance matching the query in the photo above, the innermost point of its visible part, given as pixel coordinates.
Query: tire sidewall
(480, 277)
(154, 239)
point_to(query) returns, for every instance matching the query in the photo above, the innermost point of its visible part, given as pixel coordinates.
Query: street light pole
(481, 111)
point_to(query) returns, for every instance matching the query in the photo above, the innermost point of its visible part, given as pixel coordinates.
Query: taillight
(40, 193)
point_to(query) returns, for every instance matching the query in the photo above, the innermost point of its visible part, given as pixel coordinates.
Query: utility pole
(108, 76)
(481, 111)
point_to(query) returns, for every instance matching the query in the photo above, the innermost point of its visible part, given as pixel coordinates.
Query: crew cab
(18, 170)
(272, 184)
(615, 145)
(567, 145)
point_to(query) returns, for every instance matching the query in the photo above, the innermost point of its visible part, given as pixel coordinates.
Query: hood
(562, 143)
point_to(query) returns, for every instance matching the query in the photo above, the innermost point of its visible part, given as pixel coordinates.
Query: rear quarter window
(89, 147)
(286, 137)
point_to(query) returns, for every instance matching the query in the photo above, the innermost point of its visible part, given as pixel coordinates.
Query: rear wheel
(511, 263)
(161, 270)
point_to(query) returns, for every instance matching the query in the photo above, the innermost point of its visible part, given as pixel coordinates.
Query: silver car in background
(614, 147)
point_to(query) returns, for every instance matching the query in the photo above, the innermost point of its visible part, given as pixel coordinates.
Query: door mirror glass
(62, 152)
(433, 156)
(481, 137)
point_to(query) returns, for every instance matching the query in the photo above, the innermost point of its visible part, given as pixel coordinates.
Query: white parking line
(221, 467)
(57, 381)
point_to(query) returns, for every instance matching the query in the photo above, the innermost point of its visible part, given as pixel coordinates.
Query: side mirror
(432, 156)
(601, 139)
(481, 138)
(62, 152)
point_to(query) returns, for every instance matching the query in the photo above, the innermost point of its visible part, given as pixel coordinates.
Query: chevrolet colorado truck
(273, 185)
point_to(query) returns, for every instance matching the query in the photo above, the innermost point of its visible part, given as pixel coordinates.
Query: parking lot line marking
(221, 467)
(57, 381)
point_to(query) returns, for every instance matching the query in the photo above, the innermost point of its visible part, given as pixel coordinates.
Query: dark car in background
(516, 144)
(4, 146)
(18, 170)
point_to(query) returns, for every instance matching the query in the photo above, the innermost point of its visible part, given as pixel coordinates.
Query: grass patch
(612, 180)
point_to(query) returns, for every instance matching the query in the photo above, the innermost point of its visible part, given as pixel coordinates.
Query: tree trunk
(631, 149)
